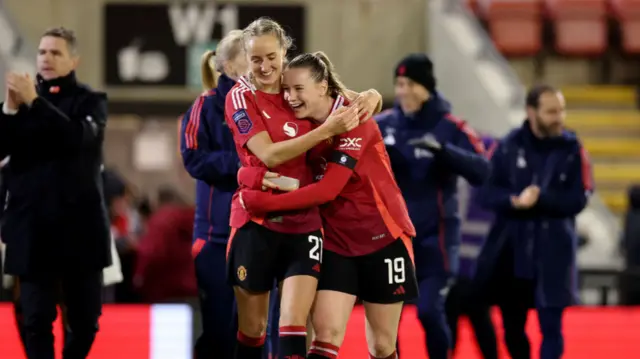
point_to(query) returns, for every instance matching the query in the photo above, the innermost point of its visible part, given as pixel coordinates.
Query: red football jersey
(364, 210)
(249, 112)
(370, 212)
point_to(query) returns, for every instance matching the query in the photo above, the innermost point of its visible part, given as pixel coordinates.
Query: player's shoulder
(369, 129)
(205, 99)
(241, 94)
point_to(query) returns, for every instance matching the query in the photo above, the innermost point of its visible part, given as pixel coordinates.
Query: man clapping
(55, 225)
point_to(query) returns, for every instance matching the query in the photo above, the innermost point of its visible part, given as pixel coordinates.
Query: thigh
(388, 275)
(253, 311)
(339, 274)
(252, 258)
(382, 322)
(82, 296)
(296, 298)
(300, 254)
(330, 315)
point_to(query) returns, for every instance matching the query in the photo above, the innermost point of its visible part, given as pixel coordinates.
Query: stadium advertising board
(164, 332)
(154, 44)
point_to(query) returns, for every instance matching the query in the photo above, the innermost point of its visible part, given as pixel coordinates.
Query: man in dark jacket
(55, 224)
(429, 149)
(541, 180)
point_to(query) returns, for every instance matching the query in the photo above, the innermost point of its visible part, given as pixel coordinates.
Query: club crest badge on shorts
(242, 273)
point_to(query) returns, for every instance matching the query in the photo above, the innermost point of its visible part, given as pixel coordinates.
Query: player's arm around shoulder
(274, 154)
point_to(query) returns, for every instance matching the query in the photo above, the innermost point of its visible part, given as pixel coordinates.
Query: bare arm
(274, 154)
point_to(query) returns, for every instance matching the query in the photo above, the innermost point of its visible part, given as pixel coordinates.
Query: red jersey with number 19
(370, 212)
(249, 112)
(362, 207)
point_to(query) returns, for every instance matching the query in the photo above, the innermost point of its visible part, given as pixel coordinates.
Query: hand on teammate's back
(342, 120)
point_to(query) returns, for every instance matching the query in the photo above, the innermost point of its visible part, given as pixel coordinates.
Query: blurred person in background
(126, 227)
(113, 186)
(55, 226)
(461, 300)
(164, 270)
(630, 281)
(209, 155)
(429, 149)
(541, 180)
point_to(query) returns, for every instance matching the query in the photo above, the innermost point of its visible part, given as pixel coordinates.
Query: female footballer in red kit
(368, 251)
(285, 246)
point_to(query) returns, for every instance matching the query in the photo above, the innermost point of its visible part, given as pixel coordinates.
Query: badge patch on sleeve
(243, 122)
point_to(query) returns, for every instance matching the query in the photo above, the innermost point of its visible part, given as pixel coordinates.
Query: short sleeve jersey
(370, 212)
(249, 112)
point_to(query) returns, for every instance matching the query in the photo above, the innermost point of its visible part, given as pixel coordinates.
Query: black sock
(293, 342)
(322, 350)
(248, 347)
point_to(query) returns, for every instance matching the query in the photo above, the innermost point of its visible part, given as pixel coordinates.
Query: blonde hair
(212, 62)
(266, 26)
(321, 69)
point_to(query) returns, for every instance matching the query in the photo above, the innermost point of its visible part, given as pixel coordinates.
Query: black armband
(343, 159)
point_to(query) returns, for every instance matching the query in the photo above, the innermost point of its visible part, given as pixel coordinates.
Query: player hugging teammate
(285, 246)
(368, 252)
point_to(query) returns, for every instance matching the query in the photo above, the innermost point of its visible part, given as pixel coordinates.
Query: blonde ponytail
(208, 70)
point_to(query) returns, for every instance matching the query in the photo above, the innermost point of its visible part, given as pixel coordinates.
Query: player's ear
(324, 87)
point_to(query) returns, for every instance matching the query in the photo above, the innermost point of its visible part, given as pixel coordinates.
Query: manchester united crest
(242, 273)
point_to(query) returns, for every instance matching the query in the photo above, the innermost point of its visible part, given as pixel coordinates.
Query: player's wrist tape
(343, 159)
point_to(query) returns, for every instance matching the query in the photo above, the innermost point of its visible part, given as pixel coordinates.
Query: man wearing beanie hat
(429, 149)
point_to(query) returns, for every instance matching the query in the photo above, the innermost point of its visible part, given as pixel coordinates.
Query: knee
(382, 344)
(328, 334)
(254, 327)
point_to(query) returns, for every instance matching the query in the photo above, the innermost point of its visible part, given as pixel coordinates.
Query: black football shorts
(384, 277)
(257, 256)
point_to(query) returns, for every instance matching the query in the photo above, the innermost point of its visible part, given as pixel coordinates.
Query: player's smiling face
(303, 92)
(266, 57)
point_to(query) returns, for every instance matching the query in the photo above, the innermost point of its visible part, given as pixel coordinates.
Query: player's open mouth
(296, 106)
(265, 74)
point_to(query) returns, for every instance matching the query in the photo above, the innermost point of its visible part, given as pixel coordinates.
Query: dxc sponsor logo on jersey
(353, 144)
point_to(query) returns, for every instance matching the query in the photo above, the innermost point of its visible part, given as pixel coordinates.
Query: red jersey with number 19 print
(249, 112)
(363, 210)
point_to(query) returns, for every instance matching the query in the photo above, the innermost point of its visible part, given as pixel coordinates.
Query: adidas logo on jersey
(399, 291)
